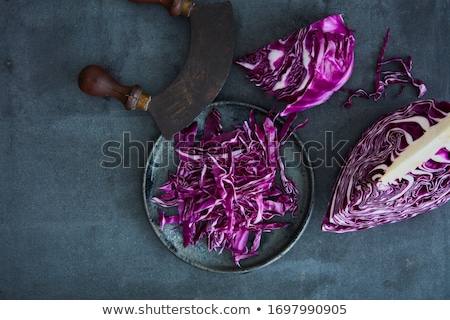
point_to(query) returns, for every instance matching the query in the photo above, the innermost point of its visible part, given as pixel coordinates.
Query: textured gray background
(70, 229)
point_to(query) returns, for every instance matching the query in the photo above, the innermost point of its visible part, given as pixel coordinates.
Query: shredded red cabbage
(306, 67)
(359, 201)
(226, 187)
(384, 78)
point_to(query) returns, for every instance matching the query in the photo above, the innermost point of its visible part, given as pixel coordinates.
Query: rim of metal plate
(275, 244)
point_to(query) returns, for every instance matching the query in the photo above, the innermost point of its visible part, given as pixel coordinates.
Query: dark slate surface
(72, 229)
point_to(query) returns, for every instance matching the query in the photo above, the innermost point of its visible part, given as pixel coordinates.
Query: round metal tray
(274, 244)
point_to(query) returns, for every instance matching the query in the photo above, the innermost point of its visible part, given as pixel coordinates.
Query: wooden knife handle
(175, 7)
(96, 81)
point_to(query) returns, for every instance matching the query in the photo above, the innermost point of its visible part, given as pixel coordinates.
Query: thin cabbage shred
(225, 187)
(384, 78)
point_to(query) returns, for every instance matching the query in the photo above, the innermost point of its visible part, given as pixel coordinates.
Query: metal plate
(275, 244)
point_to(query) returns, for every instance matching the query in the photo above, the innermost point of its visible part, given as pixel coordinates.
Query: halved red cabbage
(359, 201)
(226, 186)
(384, 78)
(305, 68)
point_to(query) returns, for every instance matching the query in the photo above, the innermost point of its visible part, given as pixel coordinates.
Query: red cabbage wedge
(229, 184)
(362, 200)
(306, 67)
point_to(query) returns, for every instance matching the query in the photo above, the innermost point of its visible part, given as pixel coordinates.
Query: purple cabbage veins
(360, 201)
(306, 67)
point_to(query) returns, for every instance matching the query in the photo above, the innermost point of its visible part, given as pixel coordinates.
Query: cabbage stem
(419, 151)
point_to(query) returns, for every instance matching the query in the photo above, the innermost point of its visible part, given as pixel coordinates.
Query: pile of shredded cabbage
(229, 184)
(359, 201)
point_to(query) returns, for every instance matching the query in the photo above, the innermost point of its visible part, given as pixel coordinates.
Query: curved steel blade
(204, 73)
